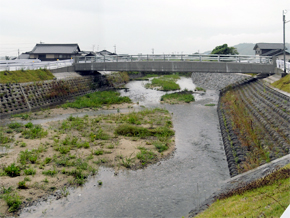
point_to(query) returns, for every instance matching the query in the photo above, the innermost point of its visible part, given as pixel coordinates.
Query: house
(105, 53)
(53, 52)
(272, 49)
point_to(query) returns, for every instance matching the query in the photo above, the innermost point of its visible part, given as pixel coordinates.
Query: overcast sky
(135, 26)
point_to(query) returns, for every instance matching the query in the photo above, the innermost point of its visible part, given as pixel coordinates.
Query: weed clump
(12, 170)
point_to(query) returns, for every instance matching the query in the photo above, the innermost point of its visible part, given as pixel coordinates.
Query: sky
(135, 26)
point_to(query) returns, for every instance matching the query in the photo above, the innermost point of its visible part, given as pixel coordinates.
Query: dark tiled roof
(275, 52)
(269, 46)
(55, 49)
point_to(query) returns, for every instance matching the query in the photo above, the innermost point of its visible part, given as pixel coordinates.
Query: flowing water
(170, 188)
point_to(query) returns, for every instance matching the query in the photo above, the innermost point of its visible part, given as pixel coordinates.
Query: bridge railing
(180, 57)
(280, 65)
(33, 64)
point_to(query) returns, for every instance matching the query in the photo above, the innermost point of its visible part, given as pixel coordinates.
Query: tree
(224, 49)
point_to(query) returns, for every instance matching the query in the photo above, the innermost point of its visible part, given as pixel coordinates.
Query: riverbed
(170, 188)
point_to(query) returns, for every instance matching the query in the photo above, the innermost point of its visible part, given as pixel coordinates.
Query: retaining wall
(24, 97)
(269, 110)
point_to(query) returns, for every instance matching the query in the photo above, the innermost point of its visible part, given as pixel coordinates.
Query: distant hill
(246, 48)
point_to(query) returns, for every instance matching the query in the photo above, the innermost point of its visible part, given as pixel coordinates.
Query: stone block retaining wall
(269, 109)
(23, 97)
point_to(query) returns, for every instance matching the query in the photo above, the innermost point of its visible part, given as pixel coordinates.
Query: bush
(12, 170)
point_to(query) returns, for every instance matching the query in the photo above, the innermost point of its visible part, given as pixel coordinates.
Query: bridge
(157, 63)
(177, 63)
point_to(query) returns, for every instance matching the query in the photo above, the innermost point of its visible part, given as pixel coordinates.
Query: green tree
(224, 49)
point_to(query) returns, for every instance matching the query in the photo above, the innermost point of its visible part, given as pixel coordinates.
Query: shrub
(12, 170)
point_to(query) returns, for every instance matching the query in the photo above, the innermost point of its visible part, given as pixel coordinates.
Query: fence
(280, 65)
(29, 64)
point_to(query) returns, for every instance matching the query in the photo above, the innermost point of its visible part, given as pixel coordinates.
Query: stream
(169, 188)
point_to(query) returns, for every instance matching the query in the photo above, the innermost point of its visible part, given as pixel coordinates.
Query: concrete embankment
(269, 109)
(25, 97)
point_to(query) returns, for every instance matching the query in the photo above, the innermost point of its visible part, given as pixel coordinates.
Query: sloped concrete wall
(23, 97)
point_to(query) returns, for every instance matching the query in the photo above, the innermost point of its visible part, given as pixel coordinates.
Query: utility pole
(284, 47)
(115, 49)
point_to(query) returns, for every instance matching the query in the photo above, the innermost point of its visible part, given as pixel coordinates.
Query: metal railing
(33, 64)
(183, 57)
(280, 65)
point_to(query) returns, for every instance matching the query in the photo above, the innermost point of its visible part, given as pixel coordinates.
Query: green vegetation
(13, 201)
(209, 105)
(147, 76)
(266, 197)
(224, 49)
(250, 135)
(117, 78)
(283, 84)
(145, 156)
(97, 99)
(12, 170)
(177, 97)
(71, 150)
(22, 76)
(164, 83)
(199, 89)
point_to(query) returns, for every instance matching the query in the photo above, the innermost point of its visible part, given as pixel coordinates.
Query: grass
(177, 97)
(12, 170)
(165, 83)
(74, 148)
(97, 99)
(248, 133)
(283, 83)
(13, 201)
(267, 197)
(200, 89)
(22, 76)
(146, 156)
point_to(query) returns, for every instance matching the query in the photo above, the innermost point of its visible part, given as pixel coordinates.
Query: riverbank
(65, 153)
(258, 96)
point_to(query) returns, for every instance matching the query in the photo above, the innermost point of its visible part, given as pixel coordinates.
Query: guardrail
(280, 65)
(183, 57)
(33, 64)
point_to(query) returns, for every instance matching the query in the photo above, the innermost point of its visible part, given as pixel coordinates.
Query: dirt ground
(118, 152)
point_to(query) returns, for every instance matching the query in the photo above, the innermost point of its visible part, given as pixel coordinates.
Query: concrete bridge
(177, 63)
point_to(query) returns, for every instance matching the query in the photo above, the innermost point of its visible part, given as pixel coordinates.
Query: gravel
(215, 81)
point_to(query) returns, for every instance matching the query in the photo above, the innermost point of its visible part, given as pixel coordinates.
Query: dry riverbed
(52, 156)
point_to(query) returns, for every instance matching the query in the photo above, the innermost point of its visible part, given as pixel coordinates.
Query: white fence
(280, 65)
(33, 64)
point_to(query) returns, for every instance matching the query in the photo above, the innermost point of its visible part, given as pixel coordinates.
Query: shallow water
(170, 188)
